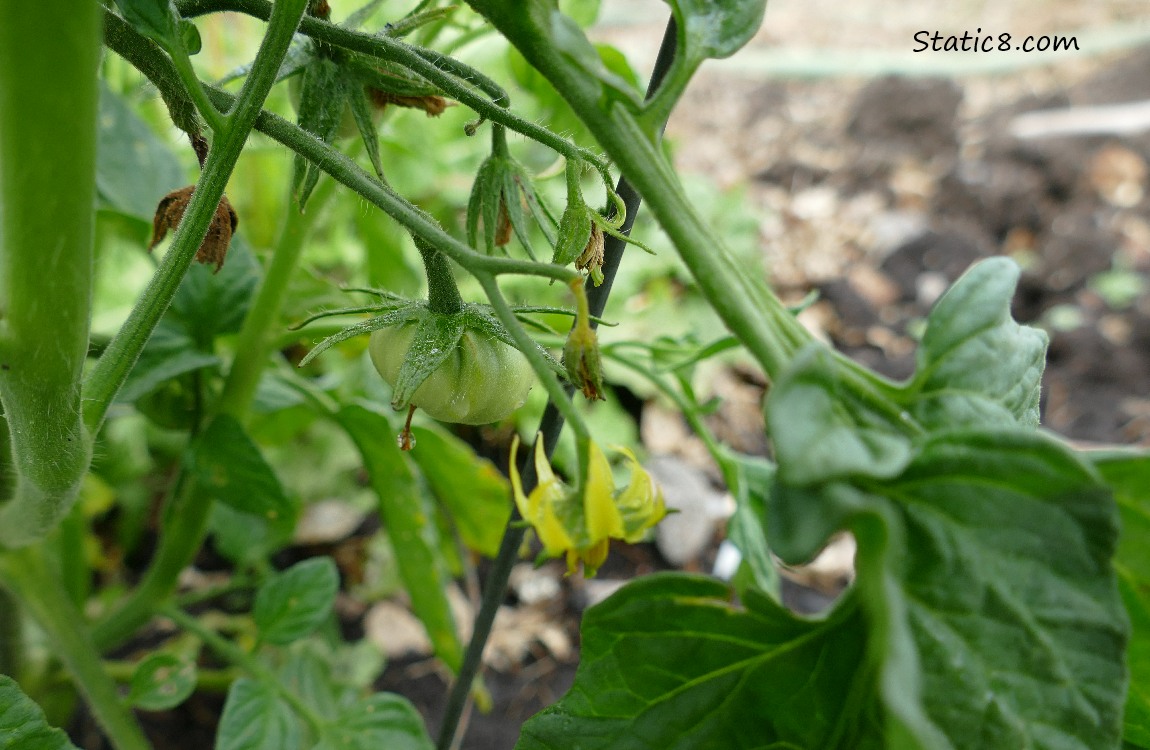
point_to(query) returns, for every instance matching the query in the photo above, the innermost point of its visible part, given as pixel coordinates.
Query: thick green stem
(254, 343)
(27, 574)
(442, 292)
(48, 108)
(113, 367)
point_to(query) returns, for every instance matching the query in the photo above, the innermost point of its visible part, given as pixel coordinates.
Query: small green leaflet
(162, 681)
(294, 602)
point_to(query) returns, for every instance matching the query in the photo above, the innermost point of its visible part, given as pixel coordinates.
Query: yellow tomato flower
(581, 525)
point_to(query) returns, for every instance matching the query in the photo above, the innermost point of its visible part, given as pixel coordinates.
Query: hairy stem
(442, 292)
(27, 574)
(48, 108)
(751, 311)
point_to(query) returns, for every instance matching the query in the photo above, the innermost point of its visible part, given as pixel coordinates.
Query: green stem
(245, 661)
(254, 343)
(442, 292)
(208, 680)
(27, 574)
(112, 368)
(184, 525)
(216, 121)
(527, 345)
(48, 110)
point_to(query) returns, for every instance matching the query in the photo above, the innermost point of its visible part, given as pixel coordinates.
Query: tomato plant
(994, 605)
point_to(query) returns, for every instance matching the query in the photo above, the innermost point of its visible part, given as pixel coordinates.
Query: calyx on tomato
(461, 367)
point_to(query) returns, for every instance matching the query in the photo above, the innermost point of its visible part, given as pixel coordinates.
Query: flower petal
(603, 519)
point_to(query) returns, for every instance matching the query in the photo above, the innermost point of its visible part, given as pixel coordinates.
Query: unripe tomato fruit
(482, 381)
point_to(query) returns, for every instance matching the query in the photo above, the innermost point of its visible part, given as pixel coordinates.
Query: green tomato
(482, 381)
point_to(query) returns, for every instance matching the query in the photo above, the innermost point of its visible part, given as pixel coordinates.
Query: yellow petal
(640, 503)
(542, 515)
(542, 465)
(516, 484)
(603, 519)
(594, 557)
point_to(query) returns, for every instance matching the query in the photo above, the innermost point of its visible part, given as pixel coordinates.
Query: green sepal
(574, 232)
(361, 110)
(398, 316)
(323, 95)
(391, 79)
(482, 318)
(436, 338)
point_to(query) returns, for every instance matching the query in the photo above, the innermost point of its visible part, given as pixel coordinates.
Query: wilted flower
(581, 523)
(214, 248)
(581, 355)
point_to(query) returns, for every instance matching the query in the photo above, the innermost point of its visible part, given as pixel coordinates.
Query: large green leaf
(22, 723)
(984, 573)
(294, 602)
(985, 592)
(410, 523)
(472, 489)
(383, 720)
(669, 662)
(256, 718)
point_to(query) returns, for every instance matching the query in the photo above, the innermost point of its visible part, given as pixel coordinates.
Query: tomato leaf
(473, 490)
(990, 539)
(410, 525)
(669, 661)
(715, 29)
(210, 304)
(294, 602)
(256, 718)
(229, 465)
(162, 681)
(22, 723)
(383, 720)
